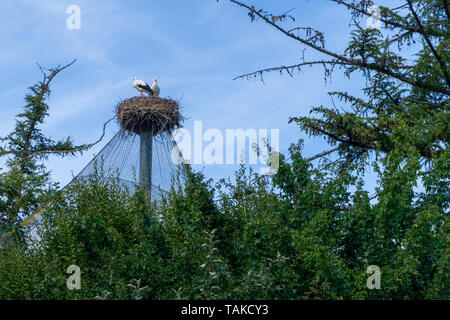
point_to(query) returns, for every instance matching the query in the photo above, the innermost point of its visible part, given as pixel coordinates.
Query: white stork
(155, 88)
(142, 86)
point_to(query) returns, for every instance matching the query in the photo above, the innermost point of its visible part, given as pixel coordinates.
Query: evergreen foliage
(26, 185)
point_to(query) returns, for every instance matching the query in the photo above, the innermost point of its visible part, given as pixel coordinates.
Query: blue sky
(195, 48)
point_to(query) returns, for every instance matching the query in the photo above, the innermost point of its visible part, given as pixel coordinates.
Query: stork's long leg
(142, 94)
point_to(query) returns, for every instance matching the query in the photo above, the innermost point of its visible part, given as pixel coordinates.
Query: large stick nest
(148, 114)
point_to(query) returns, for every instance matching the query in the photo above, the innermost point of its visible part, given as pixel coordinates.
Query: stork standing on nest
(155, 88)
(142, 86)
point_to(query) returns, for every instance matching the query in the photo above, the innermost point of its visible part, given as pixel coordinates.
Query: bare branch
(290, 68)
(75, 150)
(323, 154)
(53, 73)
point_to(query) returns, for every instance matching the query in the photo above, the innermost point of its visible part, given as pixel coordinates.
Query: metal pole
(145, 162)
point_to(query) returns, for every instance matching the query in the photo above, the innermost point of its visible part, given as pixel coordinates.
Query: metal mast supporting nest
(145, 161)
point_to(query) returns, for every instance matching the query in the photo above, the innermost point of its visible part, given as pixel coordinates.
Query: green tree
(26, 186)
(404, 105)
(402, 119)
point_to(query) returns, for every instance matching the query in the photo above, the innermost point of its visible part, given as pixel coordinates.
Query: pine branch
(388, 22)
(41, 93)
(430, 45)
(354, 62)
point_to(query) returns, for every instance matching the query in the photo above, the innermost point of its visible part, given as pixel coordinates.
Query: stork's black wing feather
(146, 88)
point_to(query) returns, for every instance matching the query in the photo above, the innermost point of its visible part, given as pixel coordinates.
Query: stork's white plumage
(155, 88)
(142, 86)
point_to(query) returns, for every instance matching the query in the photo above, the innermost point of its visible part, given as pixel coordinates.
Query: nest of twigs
(148, 114)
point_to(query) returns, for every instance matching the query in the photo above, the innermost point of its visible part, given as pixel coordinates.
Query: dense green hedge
(298, 235)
